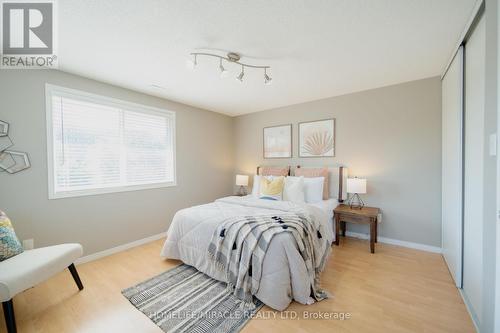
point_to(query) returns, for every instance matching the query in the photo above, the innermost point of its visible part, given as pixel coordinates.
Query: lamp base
(355, 202)
(242, 191)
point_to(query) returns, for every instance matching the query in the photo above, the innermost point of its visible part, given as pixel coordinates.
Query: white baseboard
(391, 241)
(119, 248)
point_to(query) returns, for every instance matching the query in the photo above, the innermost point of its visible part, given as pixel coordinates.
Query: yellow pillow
(271, 189)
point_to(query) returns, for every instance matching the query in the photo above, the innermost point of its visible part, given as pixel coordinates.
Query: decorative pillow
(271, 189)
(294, 189)
(316, 172)
(313, 189)
(274, 171)
(9, 244)
(256, 184)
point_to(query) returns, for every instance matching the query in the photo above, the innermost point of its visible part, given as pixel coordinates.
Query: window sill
(81, 193)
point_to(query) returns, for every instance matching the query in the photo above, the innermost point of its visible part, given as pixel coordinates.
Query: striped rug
(183, 299)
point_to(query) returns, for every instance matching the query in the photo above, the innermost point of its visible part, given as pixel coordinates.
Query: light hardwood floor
(394, 290)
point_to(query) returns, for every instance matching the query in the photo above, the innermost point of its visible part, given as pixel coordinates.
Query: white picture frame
(317, 138)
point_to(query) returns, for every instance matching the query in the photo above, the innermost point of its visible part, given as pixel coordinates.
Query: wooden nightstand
(366, 215)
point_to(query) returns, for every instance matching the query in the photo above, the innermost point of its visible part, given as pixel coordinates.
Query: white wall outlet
(493, 144)
(29, 244)
(379, 218)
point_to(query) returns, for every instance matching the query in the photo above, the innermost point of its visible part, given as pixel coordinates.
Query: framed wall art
(278, 141)
(317, 138)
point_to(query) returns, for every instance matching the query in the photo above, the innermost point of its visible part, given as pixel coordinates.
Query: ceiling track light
(232, 58)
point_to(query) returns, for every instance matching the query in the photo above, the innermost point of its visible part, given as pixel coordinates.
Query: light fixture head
(191, 64)
(223, 71)
(267, 80)
(240, 76)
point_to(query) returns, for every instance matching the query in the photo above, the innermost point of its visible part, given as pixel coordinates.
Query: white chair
(31, 267)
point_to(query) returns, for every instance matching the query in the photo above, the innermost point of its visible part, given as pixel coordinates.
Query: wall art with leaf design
(317, 138)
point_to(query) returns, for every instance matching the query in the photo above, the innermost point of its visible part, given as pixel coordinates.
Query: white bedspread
(284, 274)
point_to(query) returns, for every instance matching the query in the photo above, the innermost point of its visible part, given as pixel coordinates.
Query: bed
(283, 268)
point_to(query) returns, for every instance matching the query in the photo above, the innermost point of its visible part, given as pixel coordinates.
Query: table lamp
(356, 186)
(242, 182)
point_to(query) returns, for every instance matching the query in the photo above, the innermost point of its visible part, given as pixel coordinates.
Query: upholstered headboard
(273, 170)
(337, 178)
(337, 182)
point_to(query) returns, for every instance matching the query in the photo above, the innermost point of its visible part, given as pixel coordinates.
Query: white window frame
(50, 90)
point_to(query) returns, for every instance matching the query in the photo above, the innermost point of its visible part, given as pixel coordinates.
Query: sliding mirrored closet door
(474, 155)
(463, 144)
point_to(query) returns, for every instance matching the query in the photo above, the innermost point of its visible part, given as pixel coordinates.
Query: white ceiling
(317, 49)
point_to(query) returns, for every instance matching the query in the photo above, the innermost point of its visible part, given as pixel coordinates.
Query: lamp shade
(356, 185)
(241, 180)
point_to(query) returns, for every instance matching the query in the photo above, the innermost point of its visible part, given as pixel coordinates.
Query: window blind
(108, 146)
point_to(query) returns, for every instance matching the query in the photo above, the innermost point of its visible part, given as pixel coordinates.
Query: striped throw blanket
(239, 246)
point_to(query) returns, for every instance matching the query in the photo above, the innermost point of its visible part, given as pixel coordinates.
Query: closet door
(452, 118)
(473, 169)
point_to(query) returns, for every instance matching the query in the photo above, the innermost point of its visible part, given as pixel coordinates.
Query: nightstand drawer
(354, 219)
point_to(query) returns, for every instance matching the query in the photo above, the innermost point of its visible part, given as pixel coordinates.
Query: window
(98, 145)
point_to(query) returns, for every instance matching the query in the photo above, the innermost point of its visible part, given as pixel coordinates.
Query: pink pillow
(316, 172)
(274, 171)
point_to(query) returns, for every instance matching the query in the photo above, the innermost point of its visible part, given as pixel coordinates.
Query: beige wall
(204, 169)
(390, 135)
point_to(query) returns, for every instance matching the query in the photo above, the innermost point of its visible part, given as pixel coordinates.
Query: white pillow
(313, 189)
(294, 189)
(256, 186)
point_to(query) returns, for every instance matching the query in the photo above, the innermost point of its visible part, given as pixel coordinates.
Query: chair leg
(10, 320)
(75, 275)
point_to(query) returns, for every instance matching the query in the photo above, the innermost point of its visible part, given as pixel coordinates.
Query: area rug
(183, 299)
